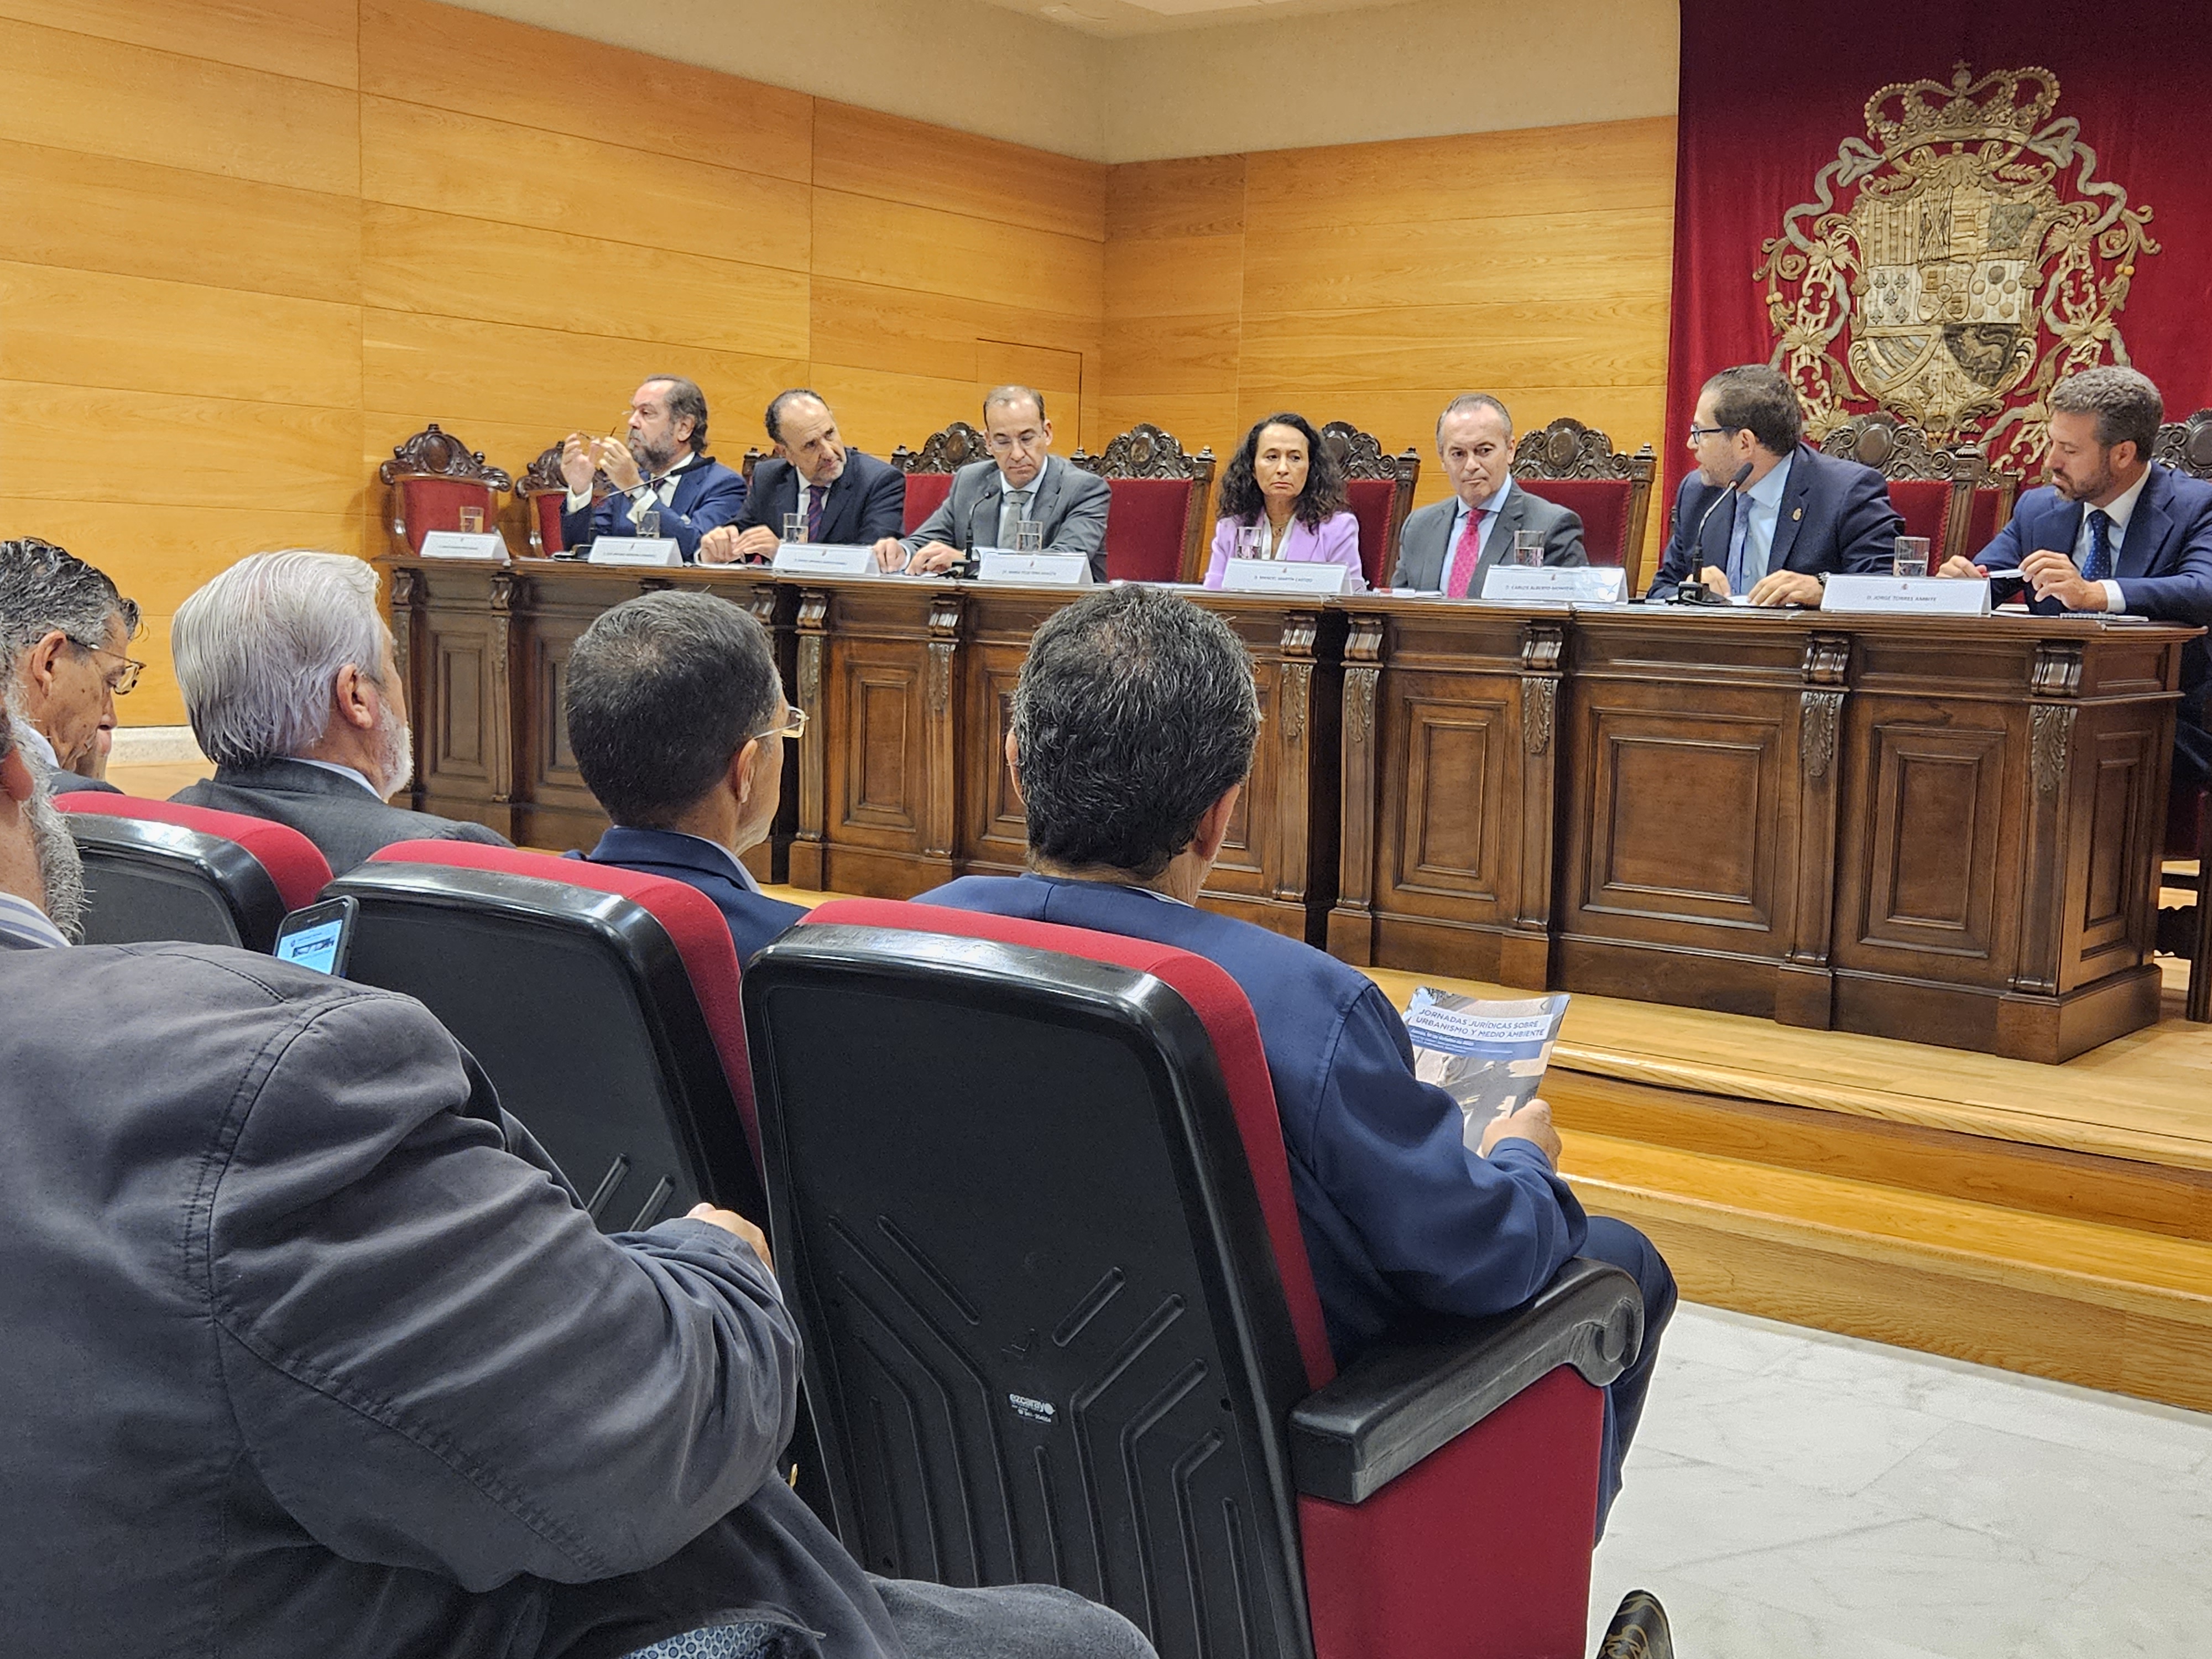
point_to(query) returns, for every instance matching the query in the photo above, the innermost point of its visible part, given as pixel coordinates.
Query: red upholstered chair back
(1379, 494)
(1932, 489)
(1602, 506)
(929, 470)
(430, 478)
(924, 494)
(1369, 501)
(1989, 510)
(1576, 466)
(1924, 505)
(603, 1004)
(156, 870)
(1157, 524)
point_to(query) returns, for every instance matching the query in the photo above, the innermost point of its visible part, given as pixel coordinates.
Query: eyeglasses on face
(793, 724)
(1699, 434)
(121, 681)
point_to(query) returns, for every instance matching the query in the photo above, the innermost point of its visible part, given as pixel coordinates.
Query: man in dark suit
(64, 642)
(1022, 482)
(676, 718)
(292, 688)
(1449, 547)
(1765, 514)
(1134, 722)
(665, 483)
(847, 498)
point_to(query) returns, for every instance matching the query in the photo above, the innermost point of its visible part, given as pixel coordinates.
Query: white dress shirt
(24, 927)
(2122, 508)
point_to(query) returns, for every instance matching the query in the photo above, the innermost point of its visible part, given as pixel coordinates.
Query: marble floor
(1796, 1495)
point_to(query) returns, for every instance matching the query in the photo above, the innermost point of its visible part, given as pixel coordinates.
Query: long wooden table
(1942, 830)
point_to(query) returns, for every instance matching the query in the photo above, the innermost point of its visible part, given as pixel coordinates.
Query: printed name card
(1550, 584)
(462, 545)
(636, 550)
(825, 559)
(1916, 596)
(1284, 576)
(1002, 564)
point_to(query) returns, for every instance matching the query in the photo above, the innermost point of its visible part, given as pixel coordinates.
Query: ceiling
(1116, 19)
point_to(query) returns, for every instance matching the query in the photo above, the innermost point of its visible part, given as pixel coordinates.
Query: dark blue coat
(1835, 516)
(707, 496)
(754, 918)
(1397, 1212)
(865, 504)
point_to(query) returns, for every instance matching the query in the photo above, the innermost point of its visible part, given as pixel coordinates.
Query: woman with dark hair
(1282, 497)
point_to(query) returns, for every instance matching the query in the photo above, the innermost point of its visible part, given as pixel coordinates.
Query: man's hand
(1715, 579)
(617, 463)
(890, 554)
(1786, 588)
(1960, 567)
(576, 464)
(727, 545)
(731, 1222)
(2053, 576)
(1532, 1122)
(933, 558)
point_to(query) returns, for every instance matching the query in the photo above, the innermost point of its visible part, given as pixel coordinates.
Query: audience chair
(1576, 467)
(1380, 492)
(929, 470)
(1155, 524)
(1931, 489)
(430, 478)
(154, 870)
(1060, 1324)
(2186, 446)
(603, 1005)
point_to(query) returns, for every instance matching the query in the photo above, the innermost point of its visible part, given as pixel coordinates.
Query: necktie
(1741, 578)
(1466, 556)
(1012, 512)
(2097, 567)
(814, 494)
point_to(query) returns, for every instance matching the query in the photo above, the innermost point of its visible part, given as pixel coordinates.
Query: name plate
(1552, 584)
(825, 559)
(636, 550)
(1916, 596)
(1284, 576)
(463, 544)
(1004, 564)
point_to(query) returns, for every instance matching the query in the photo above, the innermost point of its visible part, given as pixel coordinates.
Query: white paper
(1917, 596)
(1583, 585)
(1284, 576)
(463, 544)
(1002, 564)
(825, 559)
(636, 550)
(1488, 1057)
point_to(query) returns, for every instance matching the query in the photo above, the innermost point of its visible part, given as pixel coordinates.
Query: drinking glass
(1029, 536)
(647, 520)
(794, 527)
(1528, 547)
(1251, 542)
(472, 521)
(1911, 557)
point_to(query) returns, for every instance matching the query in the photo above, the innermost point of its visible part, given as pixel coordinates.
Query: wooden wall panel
(308, 40)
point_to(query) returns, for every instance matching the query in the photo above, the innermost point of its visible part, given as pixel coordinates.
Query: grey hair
(259, 648)
(1000, 396)
(1470, 400)
(44, 587)
(1135, 711)
(2126, 404)
(60, 867)
(685, 397)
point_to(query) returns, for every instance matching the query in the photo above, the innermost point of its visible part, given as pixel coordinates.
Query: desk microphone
(1691, 590)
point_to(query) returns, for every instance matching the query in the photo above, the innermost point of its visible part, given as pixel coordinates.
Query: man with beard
(665, 484)
(41, 883)
(64, 658)
(289, 682)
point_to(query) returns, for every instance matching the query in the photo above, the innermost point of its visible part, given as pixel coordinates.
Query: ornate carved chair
(1990, 508)
(543, 491)
(1380, 488)
(1576, 467)
(2186, 446)
(1932, 489)
(430, 478)
(929, 470)
(1155, 528)
(753, 459)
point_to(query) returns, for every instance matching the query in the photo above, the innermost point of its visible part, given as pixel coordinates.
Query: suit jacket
(866, 502)
(75, 783)
(754, 918)
(2164, 568)
(707, 496)
(363, 1378)
(1069, 503)
(1334, 540)
(1397, 1211)
(1424, 558)
(336, 813)
(1835, 516)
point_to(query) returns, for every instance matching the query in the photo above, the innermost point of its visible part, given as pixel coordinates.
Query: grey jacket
(1423, 558)
(1069, 503)
(336, 813)
(310, 1350)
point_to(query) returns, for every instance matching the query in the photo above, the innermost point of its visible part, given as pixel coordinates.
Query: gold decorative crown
(1905, 114)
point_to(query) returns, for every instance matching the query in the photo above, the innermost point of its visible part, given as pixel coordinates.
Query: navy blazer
(754, 918)
(1835, 516)
(1398, 1214)
(866, 502)
(707, 496)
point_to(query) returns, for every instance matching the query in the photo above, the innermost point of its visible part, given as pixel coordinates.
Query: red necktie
(1465, 556)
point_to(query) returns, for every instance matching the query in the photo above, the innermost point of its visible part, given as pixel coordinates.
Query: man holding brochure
(1133, 727)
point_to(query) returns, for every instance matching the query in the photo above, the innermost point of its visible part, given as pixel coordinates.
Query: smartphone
(319, 936)
(2005, 586)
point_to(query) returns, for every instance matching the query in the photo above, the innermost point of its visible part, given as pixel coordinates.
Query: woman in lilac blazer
(1283, 483)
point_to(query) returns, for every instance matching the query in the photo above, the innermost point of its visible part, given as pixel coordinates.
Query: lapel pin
(1798, 515)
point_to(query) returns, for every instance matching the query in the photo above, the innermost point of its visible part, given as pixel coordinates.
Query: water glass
(472, 521)
(794, 527)
(1910, 557)
(647, 520)
(1528, 547)
(1251, 542)
(1029, 536)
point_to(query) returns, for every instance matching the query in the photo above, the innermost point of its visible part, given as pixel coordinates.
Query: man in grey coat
(1022, 481)
(1449, 546)
(311, 1351)
(293, 690)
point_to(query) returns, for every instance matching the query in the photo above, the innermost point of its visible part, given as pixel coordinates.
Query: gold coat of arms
(1955, 264)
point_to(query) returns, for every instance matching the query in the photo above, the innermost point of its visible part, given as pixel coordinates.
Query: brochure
(1488, 1057)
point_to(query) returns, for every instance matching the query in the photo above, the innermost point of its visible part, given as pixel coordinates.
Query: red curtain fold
(1769, 100)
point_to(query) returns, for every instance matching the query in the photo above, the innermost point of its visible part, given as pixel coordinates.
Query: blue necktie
(2098, 566)
(1740, 580)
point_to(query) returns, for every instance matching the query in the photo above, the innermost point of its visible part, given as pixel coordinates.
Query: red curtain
(1940, 206)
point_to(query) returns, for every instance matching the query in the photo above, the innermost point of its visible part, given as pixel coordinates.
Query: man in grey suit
(1022, 481)
(293, 691)
(1449, 547)
(64, 658)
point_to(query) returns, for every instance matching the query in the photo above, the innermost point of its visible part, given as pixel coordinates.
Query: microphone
(1691, 590)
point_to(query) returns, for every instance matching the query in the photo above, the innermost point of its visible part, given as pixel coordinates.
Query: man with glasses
(677, 718)
(64, 632)
(1766, 515)
(1022, 483)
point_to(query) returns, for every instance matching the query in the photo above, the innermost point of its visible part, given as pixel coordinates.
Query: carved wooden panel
(1929, 838)
(1455, 753)
(461, 740)
(1686, 812)
(882, 788)
(2124, 826)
